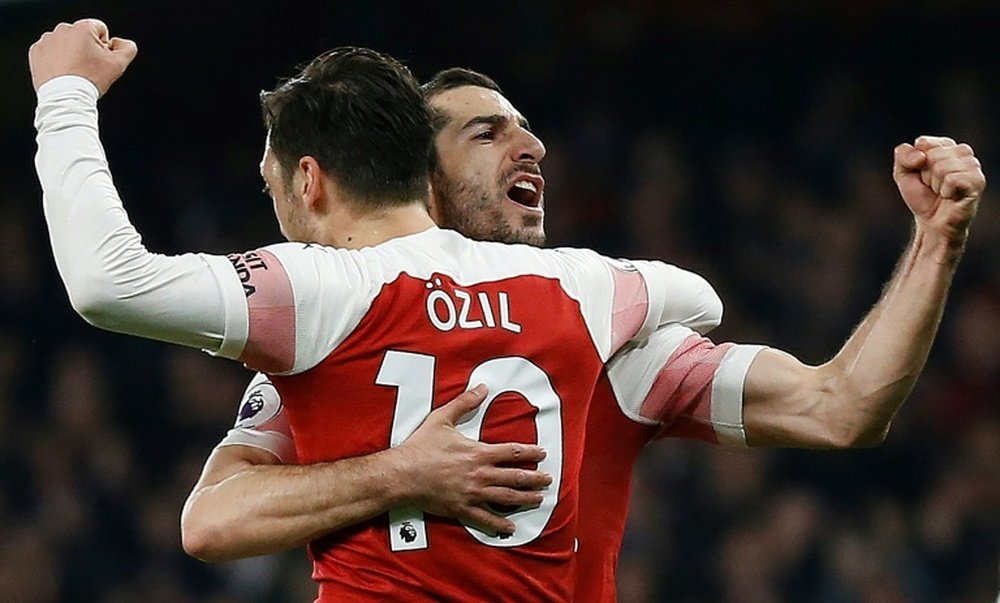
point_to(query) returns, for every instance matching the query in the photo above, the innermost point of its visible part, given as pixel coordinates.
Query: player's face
(287, 206)
(488, 184)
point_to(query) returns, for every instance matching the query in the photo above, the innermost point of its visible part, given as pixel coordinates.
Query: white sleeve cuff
(727, 394)
(237, 316)
(274, 442)
(67, 83)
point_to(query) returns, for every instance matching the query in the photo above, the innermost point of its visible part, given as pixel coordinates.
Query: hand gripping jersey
(361, 345)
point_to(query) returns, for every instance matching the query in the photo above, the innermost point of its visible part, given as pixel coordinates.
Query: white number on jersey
(413, 376)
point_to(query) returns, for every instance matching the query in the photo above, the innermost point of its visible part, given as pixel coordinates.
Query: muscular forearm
(850, 400)
(267, 508)
(878, 366)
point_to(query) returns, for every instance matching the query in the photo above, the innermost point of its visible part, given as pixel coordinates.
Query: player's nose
(527, 147)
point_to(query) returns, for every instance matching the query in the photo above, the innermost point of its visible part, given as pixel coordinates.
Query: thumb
(463, 404)
(124, 49)
(908, 159)
(98, 27)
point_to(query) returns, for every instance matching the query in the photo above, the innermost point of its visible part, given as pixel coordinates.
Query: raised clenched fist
(941, 182)
(83, 49)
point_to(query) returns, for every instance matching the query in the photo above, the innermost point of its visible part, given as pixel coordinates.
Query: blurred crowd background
(749, 141)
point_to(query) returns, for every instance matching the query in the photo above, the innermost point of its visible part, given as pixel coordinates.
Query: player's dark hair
(362, 115)
(449, 79)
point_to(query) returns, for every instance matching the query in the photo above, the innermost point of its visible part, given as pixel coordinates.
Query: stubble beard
(477, 214)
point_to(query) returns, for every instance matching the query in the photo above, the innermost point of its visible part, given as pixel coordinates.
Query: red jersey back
(417, 348)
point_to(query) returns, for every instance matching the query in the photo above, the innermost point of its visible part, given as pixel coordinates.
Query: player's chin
(530, 235)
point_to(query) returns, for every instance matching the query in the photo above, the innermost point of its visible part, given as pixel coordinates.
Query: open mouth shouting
(526, 190)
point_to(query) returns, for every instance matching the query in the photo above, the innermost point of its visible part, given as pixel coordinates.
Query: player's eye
(486, 135)
(266, 190)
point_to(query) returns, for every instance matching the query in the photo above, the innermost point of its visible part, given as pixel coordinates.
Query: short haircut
(449, 79)
(362, 115)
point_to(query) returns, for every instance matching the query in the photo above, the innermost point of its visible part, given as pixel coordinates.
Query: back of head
(362, 116)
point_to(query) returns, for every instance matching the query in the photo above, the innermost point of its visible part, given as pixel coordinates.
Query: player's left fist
(942, 182)
(83, 48)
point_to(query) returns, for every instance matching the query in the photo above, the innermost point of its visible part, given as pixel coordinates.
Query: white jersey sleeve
(228, 307)
(685, 383)
(261, 422)
(683, 297)
(111, 278)
(644, 295)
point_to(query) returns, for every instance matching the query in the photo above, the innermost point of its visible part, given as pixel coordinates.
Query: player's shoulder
(549, 261)
(282, 257)
(305, 251)
(438, 250)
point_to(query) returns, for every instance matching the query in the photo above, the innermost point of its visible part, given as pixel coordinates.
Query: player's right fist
(83, 49)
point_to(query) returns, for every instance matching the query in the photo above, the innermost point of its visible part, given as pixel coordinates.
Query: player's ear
(310, 183)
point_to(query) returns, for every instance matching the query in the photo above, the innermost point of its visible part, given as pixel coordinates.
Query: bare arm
(851, 400)
(247, 503)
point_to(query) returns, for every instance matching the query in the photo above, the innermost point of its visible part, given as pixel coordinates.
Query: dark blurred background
(749, 141)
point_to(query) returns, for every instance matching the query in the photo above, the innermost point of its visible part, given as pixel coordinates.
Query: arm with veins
(851, 400)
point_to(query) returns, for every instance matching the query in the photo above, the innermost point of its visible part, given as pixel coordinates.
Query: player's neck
(372, 228)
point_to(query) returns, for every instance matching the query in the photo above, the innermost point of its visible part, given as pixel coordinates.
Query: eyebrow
(495, 120)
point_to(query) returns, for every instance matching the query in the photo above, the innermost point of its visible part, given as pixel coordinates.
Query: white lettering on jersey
(463, 315)
(413, 376)
(441, 324)
(505, 321)
(446, 312)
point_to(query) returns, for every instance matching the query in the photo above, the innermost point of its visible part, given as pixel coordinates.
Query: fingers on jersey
(513, 453)
(465, 403)
(512, 477)
(486, 521)
(482, 517)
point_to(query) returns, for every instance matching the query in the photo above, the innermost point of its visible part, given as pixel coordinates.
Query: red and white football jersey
(362, 345)
(420, 342)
